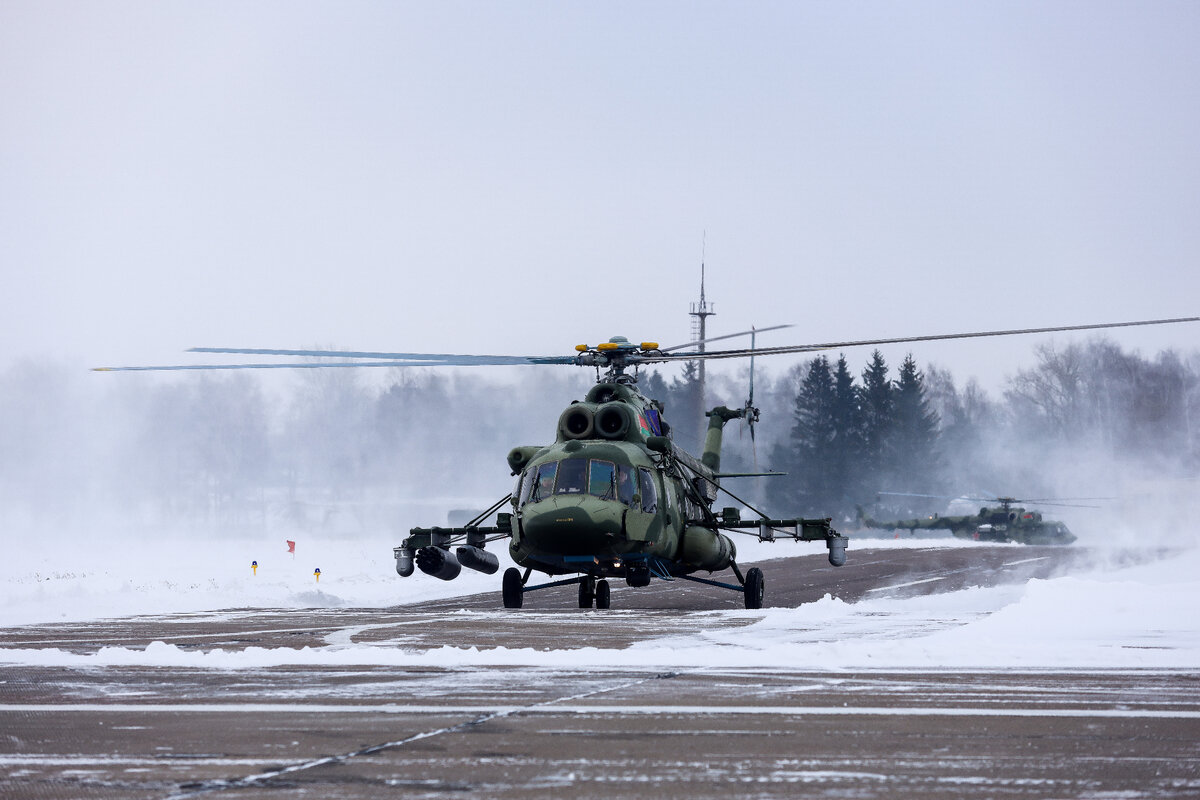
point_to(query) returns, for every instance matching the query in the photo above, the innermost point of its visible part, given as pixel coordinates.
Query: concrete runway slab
(539, 731)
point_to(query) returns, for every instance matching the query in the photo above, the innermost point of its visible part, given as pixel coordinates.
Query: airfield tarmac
(359, 731)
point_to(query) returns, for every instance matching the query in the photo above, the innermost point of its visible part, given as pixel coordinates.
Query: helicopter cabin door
(642, 515)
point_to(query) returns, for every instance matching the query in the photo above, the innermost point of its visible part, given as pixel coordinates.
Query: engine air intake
(612, 421)
(577, 422)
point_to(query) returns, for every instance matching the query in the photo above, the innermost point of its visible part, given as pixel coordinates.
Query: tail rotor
(752, 412)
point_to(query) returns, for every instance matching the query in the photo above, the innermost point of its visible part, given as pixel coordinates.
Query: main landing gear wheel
(587, 591)
(512, 587)
(602, 594)
(753, 588)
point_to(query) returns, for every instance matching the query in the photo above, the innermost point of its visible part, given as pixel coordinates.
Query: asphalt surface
(549, 731)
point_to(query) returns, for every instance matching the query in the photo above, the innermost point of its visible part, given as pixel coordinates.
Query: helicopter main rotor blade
(440, 359)
(287, 365)
(1059, 505)
(809, 348)
(726, 336)
(1043, 501)
(618, 359)
(378, 360)
(1056, 499)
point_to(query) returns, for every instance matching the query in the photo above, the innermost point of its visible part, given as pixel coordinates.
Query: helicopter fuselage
(610, 494)
(572, 511)
(1004, 523)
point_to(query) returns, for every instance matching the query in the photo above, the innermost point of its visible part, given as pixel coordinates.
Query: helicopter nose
(572, 526)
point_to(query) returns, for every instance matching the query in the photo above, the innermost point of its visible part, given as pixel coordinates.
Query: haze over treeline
(339, 452)
(1085, 420)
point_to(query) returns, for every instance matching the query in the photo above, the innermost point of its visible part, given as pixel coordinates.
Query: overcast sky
(518, 178)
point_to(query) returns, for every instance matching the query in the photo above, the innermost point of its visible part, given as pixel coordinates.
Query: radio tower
(700, 313)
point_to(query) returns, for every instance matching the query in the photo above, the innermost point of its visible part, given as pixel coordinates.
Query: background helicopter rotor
(1006, 501)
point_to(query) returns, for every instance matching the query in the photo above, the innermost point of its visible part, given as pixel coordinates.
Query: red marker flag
(291, 545)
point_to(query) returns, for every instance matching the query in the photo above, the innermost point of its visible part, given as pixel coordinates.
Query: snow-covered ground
(1109, 617)
(101, 578)
(97, 579)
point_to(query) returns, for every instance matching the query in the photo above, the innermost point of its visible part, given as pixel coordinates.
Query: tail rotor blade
(754, 447)
(750, 401)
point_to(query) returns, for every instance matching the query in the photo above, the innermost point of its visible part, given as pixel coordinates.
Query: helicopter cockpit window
(626, 484)
(649, 494)
(527, 484)
(571, 476)
(602, 479)
(543, 486)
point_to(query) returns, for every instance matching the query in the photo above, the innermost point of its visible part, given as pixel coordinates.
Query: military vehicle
(1005, 522)
(612, 496)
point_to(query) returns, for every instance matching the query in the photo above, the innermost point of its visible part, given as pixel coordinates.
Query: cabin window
(649, 494)
(543, 487)
(571, 476)
(626, 484)
(527, 484)
(602, 479)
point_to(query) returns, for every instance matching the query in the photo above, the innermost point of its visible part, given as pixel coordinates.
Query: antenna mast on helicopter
(700, 312)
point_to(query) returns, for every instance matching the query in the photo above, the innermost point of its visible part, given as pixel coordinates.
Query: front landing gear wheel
(753, 588)
(587, 591)
(512, 587)
(602, 594)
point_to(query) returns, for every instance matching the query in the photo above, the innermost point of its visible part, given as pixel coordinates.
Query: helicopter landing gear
(602, 594)
(592, 590)
(587, 591)
(513, 588)
(753, 588)
(750, 585)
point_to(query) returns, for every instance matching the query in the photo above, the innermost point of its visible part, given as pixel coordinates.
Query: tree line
(221, 451)
(854, 438)
(850, 438)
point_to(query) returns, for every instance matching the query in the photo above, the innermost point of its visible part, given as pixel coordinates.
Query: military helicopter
(1005, 522)
(612, 496)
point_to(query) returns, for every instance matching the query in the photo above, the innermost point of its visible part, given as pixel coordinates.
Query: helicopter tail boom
(711, 457)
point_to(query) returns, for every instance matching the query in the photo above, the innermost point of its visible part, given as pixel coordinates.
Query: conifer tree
(846, 461)
(654, 386)
(915, 463)
(812, 442)
(878, 416)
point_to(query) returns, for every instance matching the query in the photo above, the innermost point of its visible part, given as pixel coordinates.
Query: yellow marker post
(254, 566)
(317, 572)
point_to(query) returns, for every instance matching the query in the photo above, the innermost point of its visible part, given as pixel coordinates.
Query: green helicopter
(612, 496)
(1005, 522)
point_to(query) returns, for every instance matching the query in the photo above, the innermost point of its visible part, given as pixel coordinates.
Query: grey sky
(522, 177)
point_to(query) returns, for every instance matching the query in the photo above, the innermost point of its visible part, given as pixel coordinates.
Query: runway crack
(261, 779)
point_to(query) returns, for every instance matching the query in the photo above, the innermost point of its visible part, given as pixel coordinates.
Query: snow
(44, 582)
(101, 579)
(1141, 617)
